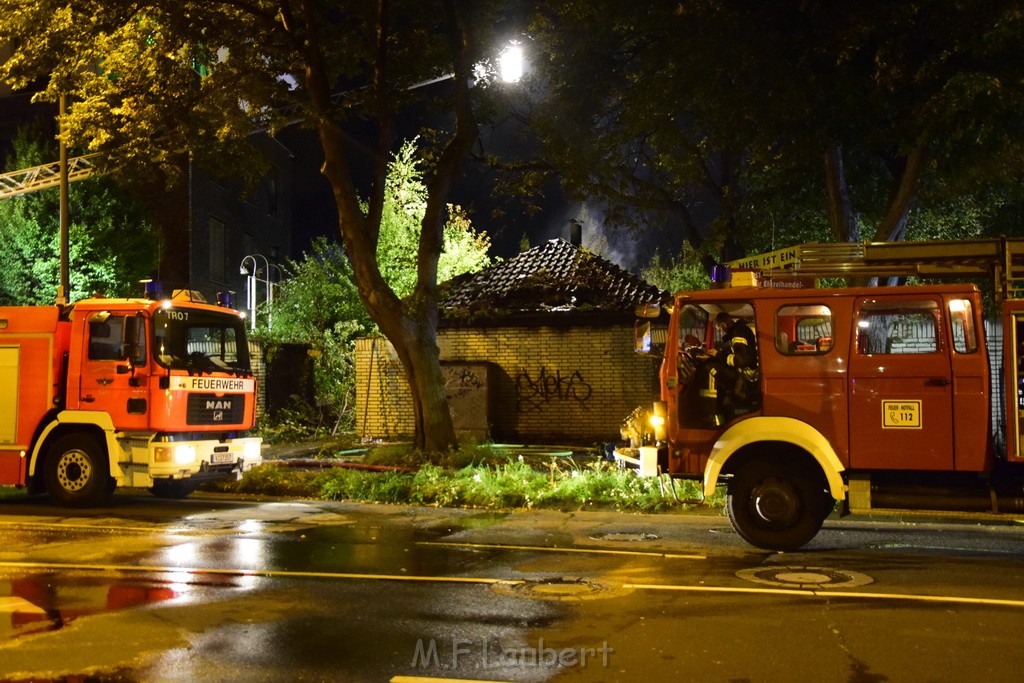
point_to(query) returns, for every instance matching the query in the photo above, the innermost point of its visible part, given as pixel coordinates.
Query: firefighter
(728, 373)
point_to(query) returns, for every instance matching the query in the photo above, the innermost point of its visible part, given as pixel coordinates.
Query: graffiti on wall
(536, 392)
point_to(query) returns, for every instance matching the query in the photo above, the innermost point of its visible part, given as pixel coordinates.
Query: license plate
(222, 457)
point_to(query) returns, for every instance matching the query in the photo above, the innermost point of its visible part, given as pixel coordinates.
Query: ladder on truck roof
(1002, 259)
(46, 175)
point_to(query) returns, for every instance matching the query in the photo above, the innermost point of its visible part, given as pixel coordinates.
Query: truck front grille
(208, 409)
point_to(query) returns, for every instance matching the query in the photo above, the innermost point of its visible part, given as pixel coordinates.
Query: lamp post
(253, 278)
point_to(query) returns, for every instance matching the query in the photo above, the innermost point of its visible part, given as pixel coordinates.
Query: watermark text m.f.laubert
(433, 653)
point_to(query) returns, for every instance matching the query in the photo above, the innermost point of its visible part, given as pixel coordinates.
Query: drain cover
(805, 577)
(561, 588)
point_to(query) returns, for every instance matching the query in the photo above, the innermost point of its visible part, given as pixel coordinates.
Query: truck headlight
(252, 451)
(184, 454)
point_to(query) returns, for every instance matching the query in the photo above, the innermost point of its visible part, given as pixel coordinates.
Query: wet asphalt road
(221, 589)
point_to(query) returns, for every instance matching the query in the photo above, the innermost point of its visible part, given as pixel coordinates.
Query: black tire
(76, 472)
(172, 488)
(775, 507)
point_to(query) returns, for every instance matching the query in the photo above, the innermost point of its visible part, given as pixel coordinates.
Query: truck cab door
(901, 408)
(113, 376)
(1013, 370)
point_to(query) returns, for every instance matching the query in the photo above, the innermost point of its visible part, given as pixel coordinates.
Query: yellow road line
(421, 679)
(85, 527)
(255, 572)
(595, 551)
(830, 594)
(996, 602)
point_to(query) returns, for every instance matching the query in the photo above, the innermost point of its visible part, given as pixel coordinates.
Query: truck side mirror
(133, 327)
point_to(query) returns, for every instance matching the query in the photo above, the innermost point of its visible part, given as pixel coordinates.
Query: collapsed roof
(555, 279)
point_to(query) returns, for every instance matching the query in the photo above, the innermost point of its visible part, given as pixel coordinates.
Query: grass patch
(490, 480)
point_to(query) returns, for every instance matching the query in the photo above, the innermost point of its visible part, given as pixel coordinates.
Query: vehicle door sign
(901, 414)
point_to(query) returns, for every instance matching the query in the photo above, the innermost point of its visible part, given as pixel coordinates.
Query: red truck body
(124, 392)
(867, 397)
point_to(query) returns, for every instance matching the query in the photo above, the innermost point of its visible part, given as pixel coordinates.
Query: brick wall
(544, 384)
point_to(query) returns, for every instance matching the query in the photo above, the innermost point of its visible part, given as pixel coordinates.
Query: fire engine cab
(864, 397)
(124, 392)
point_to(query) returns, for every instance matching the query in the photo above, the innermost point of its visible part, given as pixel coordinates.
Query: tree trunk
(893, 227)
(844, 222)
(410, 324)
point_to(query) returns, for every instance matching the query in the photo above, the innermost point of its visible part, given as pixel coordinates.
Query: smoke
(631, 250)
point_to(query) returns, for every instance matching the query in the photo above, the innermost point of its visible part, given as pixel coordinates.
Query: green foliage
(684, 271)
(112, 245)
(317, 304)
(405, 203)
(293, 424)
(501, 484)
(318, 301)
(274, 480)
(724, 133)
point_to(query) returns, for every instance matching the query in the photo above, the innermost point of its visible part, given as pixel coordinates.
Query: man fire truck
(869, 397)
(124, 392)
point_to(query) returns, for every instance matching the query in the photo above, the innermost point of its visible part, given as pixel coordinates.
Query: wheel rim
(775, 502)
(74, 470)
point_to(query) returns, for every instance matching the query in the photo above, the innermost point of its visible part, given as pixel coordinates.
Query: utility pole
(64, 288)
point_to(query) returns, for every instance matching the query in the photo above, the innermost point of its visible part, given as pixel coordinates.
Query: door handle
(88, 399)
(104, 381)
(938, 382)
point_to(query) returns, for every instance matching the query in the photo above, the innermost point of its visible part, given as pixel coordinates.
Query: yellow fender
(91, 418)
(784, 429)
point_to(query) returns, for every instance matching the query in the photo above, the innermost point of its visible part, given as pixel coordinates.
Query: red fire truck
(124, 392)
(863, 397)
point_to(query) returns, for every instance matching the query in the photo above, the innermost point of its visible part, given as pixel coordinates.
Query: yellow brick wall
(547, 384)
(383, 408)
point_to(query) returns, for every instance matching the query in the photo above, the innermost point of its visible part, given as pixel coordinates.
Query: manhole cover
(805, 577)
(561, 589)
(625, 537)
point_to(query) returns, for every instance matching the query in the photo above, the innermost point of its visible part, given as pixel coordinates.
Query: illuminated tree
(149, 81)
(112, 243)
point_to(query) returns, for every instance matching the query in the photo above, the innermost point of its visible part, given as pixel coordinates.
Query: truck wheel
(172, 488)
(774, 507)
(76, 472)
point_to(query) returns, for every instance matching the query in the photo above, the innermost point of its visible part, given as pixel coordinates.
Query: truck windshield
(200, 341)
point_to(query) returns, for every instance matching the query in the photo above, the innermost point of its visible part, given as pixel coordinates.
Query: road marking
(596, 551)
(254, 572)
(420, 679)
(82, 527)
(507, 582)
(831, 594)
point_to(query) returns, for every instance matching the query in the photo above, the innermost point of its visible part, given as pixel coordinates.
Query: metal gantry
(46, 175)
(1001, 259)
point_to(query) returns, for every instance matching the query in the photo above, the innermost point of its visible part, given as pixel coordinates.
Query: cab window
(803, 330)
(898, 327)
(108, 339)
(961, 322)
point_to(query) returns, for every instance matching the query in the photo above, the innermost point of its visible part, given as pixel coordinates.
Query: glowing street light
(510, 63)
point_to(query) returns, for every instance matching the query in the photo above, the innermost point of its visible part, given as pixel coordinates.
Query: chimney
(575, 233)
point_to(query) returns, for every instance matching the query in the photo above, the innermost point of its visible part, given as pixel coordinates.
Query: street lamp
(510, 63)
(253, 278)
